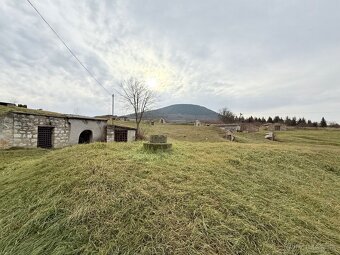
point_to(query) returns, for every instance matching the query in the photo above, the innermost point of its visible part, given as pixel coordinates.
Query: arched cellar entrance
(85, 136)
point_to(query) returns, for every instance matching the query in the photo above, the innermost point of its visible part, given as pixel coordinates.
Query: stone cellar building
(28, 128)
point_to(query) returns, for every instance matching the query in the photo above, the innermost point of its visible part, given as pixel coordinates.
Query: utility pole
(113, 104)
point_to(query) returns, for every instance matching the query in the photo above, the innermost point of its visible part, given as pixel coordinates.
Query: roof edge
(57, 115)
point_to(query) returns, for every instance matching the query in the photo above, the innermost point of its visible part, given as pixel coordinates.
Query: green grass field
(206, 196)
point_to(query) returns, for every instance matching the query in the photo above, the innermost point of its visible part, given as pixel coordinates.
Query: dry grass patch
(202, 198)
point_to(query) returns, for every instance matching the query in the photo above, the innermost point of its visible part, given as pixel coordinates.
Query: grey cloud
(255, 57)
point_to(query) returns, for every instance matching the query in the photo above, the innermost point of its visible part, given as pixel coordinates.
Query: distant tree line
(227, 116)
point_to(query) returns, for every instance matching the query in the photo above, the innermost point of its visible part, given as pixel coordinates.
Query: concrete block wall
(131, 135)
(97, 127)
(6, 132)
(272, 127)
(21, 130)
(25, 130)
(110, 133)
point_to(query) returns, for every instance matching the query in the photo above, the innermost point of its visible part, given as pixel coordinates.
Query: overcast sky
(254, 57)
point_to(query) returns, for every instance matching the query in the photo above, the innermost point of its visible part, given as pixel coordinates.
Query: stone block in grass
(158, 139)
(157, 146)
(157, 143)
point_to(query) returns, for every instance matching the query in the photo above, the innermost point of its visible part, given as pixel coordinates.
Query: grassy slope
(190, 133)
(234, 198)
(6, 109)
(180, 132)
(295, 136)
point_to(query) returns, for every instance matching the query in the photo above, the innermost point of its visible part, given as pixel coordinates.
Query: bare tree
(226, 116)
(138, 97)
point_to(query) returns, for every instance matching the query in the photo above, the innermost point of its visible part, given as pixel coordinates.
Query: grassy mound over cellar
(201, 198)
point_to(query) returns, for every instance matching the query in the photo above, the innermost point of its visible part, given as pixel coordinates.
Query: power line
(72, 53)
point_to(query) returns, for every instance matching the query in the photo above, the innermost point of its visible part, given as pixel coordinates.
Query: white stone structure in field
(197, 123)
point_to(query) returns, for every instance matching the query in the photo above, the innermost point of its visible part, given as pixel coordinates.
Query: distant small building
(249, 127)
(233, 127)
(229, 135)
(162, 121)
(123, 118)
(240, 127)
(270, 136)
(275, 126)
(197, 123)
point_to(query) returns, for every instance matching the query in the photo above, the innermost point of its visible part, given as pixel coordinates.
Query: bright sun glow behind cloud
(250, 57)
(159, 78)
(152, 83)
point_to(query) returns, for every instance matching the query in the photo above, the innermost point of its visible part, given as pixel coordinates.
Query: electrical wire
(69, 49)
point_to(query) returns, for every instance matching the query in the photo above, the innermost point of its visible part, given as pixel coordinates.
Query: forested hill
(182, 113)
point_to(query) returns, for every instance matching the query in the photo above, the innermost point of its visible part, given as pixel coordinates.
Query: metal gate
(45, 137)
(121, 135)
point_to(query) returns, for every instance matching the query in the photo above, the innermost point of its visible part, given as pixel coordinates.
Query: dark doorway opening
(85, 136)
(277, 128)
(45, 137)
(121, 135)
